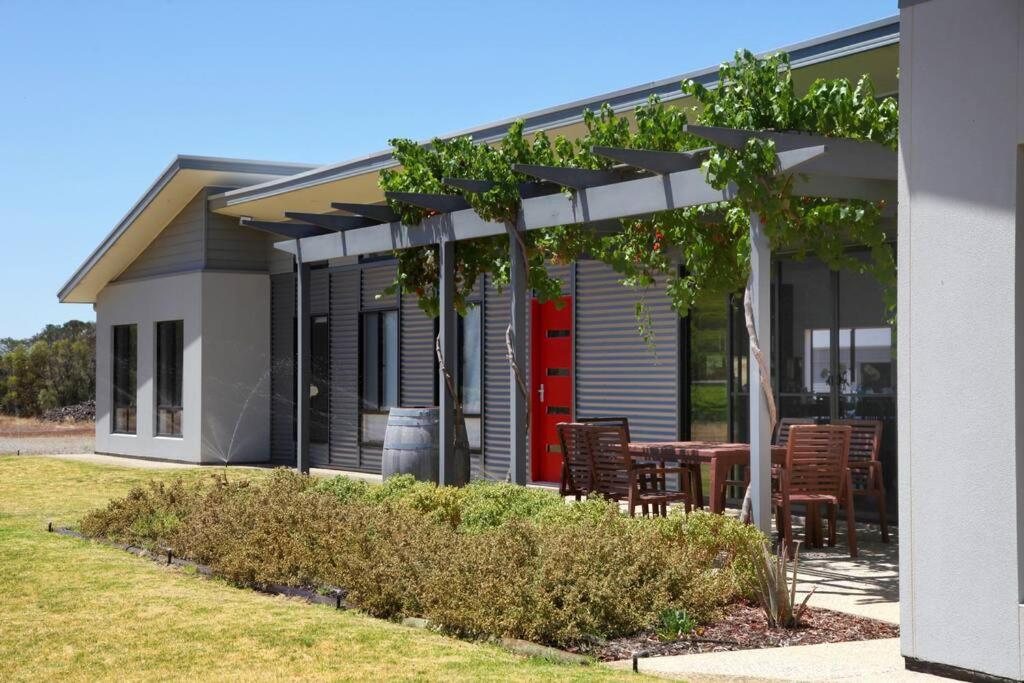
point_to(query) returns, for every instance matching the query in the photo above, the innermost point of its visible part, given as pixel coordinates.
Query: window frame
(132, 429)
(158, 405)
(380, 409)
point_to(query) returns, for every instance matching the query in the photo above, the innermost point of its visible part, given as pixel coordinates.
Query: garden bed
(489, 561)
(742, 626)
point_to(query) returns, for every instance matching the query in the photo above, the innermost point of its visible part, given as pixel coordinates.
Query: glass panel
(124, 378)
(709, 369)
(374, 425)
(170, 354)
(805, 339)
(389, 358)
(319, 402)
(371, 361)
(469, 370)
(867, 353)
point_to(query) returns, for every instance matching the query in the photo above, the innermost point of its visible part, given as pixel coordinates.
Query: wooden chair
(865, 466)
(816, 473)
(617, 475)
(575, 460)
(782, 429)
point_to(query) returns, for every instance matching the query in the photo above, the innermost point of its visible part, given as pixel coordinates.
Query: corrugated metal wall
(282, 369)
(417, 354)
(496, 382)
(616, 373)
(344, 323)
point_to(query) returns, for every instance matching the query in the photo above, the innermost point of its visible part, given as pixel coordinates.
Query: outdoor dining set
(821, 467)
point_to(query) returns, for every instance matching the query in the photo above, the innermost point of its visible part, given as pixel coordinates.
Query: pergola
(642, 182)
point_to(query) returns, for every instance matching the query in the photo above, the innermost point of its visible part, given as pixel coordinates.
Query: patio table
(720, 457)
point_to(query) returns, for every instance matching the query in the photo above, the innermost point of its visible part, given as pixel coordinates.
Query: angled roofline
(842, 43)
(182, 162)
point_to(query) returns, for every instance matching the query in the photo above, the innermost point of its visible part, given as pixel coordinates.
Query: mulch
(743, 627)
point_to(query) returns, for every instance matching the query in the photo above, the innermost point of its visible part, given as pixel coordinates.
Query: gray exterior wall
(197, 239)
(225, 397)
(960, 334)
(616, 373)
(178, 248)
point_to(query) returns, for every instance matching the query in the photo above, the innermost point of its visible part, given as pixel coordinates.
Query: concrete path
(143, 463)
(871, 660)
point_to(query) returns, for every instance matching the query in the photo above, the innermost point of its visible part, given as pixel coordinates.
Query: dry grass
(71, 609)
(31, 426)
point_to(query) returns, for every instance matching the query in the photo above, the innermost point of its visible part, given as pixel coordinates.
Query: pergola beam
(573, 178)
(293, 231)
(378, 212)
(331, 221)
(845, 157)
(469, 184)
(443, 203)
(652, 160)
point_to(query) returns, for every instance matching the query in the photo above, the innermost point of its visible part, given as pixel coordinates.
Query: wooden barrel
(411, 445)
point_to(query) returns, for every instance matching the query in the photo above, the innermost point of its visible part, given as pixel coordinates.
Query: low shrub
(485, 560)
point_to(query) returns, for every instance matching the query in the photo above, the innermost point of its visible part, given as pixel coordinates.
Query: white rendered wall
(961, 122)
(225, 388)
(144, 303)
(236, 367)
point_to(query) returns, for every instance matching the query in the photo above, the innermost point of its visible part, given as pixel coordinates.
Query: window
(124, 378)
(379, 372)
(170, 353)
(470, 372)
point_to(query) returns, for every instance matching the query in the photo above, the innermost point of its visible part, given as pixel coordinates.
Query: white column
(447, 331)
(760, 428)
(303, 366)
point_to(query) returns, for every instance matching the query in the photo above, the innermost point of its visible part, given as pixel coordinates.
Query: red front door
(551, 383)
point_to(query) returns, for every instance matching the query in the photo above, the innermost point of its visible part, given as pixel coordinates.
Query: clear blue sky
(97, 97)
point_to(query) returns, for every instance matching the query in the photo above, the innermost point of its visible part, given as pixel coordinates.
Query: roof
(165, 198)
(829, 47)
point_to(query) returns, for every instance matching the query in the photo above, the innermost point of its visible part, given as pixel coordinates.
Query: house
(196, 320)
(197, 328)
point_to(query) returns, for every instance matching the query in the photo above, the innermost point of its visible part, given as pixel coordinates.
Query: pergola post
(517, 320)
(447, 340)
(760, 425)
(303, 363)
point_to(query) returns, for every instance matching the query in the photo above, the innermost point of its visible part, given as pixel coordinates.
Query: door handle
(541, 391)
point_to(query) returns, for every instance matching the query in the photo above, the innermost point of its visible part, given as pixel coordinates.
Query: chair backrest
(617, 420)
(865, 439)
(572, 437)
(610, 462)
(782, 430)
(816, 458)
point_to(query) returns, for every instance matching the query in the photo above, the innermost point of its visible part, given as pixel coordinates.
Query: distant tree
(56, 367)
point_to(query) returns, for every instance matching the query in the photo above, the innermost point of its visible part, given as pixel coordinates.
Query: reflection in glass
(170, 355)
(709, 369)
(124, 378)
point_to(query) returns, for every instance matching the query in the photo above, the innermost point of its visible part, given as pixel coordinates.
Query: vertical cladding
(319, 292)
(417, 354)
(377, 278)
(616, 372)
(282, 377)
(496, 382)
(344, 383)
(496, 435)
(179, 246)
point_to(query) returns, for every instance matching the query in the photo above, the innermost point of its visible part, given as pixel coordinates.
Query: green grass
(76, 610)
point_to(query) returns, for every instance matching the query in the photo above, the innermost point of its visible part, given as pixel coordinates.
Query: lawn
(73, 609)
